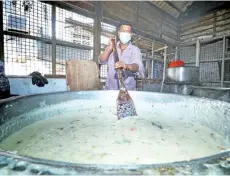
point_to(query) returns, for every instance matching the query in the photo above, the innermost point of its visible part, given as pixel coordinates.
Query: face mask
(125, 37)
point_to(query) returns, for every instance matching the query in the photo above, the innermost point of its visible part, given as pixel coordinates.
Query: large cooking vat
(213, 114)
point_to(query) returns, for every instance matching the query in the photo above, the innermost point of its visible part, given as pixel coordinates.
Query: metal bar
(193, 41)
(151, 58)
(97, 31)
(152, 71)
(53, 40)
(223, 62)
(49, 41)
(207, 61)
(146, 69)
(163, 48)
(45, 40)
(1, 33)
(73, 45)
(165, 54)
(176, 53)
(76, 23)
(149, 68)
(152, 66)
(210, 82)
(103, 32)
(141, 79)
(214, 88)
(197, 53)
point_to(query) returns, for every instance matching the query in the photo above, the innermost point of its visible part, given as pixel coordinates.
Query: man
(130, 60)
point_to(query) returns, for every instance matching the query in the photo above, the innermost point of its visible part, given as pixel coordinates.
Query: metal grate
(227, 61)
(227, 70)
(27, 17)
(23, 56)
(73, 27)
(188, 55)
(210, 72)
(211, 54)
(107, 31)
(66, 53)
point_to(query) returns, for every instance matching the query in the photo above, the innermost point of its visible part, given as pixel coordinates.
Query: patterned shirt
(130, 55)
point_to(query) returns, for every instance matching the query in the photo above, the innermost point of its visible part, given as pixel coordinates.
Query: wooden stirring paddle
(125, 105)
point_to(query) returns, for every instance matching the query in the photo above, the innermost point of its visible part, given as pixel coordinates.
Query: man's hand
(120, 64)
(105, 55)
(111, 40)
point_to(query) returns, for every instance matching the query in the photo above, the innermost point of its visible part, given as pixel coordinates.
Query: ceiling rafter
(173, 6)
(159, 10)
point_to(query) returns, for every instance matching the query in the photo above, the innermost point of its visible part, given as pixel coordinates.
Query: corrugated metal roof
(174, 8)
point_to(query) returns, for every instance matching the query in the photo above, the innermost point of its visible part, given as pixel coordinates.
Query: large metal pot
(13, 118)
(182, 74)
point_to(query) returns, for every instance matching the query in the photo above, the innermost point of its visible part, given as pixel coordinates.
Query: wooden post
(223, 62)
(97, 31)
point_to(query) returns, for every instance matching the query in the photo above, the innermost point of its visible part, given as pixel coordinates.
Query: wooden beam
(97, 31)
(173, 6)
(208, 7)
(164, 14)
(214, 25)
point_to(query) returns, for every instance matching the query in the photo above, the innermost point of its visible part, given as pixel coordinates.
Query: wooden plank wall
(216, 24)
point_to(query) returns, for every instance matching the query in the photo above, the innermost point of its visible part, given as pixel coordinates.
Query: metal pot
(15, 107)
(182, 74)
